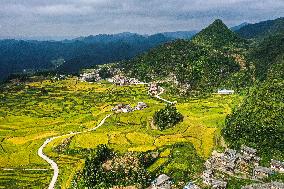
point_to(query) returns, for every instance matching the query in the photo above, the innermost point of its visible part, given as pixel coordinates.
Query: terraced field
(32, 112)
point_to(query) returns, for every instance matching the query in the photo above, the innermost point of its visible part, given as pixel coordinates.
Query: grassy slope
(29, 115)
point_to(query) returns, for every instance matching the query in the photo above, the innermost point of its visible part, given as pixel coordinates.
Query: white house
(225, 91)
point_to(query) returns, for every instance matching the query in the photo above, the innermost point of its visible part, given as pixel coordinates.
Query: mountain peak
(217, 35)
(218, 21)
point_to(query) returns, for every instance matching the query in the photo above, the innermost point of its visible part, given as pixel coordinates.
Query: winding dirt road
(53, 165)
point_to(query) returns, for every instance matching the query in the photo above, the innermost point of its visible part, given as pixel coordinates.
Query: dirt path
(53, 165)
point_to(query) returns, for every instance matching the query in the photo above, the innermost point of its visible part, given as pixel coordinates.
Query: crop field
(32, 112)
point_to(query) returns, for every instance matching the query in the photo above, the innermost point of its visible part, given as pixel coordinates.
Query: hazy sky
(85, 17)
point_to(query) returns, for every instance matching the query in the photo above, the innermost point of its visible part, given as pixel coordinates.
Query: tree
(167, 117)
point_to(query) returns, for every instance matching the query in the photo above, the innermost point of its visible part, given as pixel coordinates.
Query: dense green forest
(267, 52)
(259, 120)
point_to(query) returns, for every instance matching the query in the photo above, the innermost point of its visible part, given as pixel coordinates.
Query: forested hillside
(259, 120)
(262, 29)
(218, 35)
(209, 60)
(267, 52)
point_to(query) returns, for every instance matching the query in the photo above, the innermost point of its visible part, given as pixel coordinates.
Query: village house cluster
(231, 162)
(125, 108)
(91, 76)
(122, 80)
(59, 77)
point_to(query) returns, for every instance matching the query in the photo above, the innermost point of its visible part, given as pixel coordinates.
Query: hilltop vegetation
(262, 29)
(218, 35)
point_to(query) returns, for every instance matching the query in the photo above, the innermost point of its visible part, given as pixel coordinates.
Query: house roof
(230, 152)
(248, 149)
(263, 169)
(161, 179)
(277, 163)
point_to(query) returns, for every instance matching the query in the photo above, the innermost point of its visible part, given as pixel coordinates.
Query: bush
(167, 118)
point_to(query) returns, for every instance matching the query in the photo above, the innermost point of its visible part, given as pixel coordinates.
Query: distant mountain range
(72, 55)
(78, 53)
(262, 29)
(236, 28)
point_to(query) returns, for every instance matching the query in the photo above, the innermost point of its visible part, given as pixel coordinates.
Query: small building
(191, 185)
(208, 164)
(162, 182)
(256, 161)
(230, 153)
(141, 106)
(225, 91)
(134, 81)
(262, 172)
(120, 80)
(124, 108)
(277, 166)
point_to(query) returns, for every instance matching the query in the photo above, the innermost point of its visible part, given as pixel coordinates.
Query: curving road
(53, 165)
(160, 98)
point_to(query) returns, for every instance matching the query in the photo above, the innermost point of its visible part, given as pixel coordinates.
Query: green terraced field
(32, 112)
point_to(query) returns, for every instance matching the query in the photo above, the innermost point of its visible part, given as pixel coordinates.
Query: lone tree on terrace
(167, 117)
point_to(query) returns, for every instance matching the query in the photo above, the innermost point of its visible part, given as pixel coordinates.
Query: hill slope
(200, 64)
(218, 35)
(266, 53)
(262, 29)
(259, 121)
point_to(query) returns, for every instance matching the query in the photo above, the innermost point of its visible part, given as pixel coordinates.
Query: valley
(130, 132)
